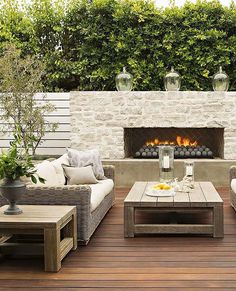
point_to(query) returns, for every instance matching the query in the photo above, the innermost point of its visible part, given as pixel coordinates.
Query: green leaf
(33, 179)
(42, 180)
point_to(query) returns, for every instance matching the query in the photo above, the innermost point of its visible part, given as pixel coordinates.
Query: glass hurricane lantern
(166, 163)
(172, 80)
(220, 81)
(124, 81)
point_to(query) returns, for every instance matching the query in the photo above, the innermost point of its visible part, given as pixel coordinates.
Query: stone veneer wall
(99, 118)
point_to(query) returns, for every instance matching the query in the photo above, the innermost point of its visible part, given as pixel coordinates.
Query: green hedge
(84, 45)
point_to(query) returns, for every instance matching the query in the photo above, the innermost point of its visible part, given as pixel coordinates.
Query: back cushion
(80, 175)
(85, 158)
(57, 164)
(47, 171)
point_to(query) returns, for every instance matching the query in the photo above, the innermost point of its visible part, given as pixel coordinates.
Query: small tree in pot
(20, 80)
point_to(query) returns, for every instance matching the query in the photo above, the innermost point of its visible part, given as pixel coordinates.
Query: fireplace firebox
(188, 142)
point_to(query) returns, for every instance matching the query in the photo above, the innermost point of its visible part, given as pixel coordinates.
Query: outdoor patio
(117, 145)
(110, 261)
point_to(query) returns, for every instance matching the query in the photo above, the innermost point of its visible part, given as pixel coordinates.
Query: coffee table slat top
(165, 201)
(181, 199)
(197, 197)
(203, 195)
(136, 193)
(148, 200)
(210, 193)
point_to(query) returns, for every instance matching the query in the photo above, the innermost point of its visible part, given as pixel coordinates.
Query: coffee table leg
(52, 260)
(129, 221)
(218, 221)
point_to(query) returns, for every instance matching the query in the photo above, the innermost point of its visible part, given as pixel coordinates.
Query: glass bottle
(220, 81)
(189, 173)
(166, 163)
(172, 80)
(124, 81)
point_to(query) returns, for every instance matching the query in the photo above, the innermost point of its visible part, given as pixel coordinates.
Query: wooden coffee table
(58, 224)
(204, 197)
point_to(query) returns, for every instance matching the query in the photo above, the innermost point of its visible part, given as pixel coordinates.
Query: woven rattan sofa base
(78, 195)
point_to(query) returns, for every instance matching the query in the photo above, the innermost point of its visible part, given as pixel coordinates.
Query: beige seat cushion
(99, 191)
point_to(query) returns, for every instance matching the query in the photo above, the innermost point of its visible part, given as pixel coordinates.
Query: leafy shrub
(84, 44)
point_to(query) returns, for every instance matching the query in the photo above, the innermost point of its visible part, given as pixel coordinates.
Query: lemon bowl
(161, 186)
(160, 190)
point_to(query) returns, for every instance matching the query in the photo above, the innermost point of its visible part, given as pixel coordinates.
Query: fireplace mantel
(99, 118)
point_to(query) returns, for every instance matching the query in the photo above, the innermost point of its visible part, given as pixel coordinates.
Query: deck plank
(112, 262)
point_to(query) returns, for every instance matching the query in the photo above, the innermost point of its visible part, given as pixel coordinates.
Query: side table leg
(52, 260)
(218, 221)
(70, 230)
(74, 230)
(128, 221)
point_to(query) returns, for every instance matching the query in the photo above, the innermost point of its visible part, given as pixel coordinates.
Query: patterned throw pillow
(84, 158)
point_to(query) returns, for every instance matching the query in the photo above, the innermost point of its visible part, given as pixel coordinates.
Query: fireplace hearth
(144, 143)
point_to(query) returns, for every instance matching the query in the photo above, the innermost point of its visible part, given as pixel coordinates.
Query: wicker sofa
(79, 195)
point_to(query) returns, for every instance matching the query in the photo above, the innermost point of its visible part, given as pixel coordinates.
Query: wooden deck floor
(111, 262)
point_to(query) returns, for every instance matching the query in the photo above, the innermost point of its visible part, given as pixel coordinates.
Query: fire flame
(180, 141)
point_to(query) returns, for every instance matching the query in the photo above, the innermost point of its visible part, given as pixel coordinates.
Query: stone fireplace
(117, 123)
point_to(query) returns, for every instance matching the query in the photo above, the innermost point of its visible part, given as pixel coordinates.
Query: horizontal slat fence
(53, 143)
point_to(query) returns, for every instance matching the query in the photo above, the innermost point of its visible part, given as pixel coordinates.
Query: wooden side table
(58, 224)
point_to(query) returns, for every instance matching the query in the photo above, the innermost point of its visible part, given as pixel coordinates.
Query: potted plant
(14, 165)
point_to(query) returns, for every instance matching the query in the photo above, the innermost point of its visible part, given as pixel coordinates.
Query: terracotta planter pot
(12, 190)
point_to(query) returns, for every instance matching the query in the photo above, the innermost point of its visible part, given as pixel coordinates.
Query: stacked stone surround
(98, 118)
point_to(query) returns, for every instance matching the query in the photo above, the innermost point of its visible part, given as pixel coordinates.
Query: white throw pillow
(57, 164)
(47, 171)
(80, 175)
(84, 158)
(233, 185)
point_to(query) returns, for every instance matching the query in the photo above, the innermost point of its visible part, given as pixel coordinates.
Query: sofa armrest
(109, 172)
(78, 195)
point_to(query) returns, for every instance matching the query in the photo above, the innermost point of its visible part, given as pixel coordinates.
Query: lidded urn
(172, 80)
(124, 81)
(220, 81)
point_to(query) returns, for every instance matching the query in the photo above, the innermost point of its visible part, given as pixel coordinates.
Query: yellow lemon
(161, 186)
(166, 187)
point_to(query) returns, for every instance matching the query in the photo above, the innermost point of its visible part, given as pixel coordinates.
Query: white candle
(166, 162)
(189, 170)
